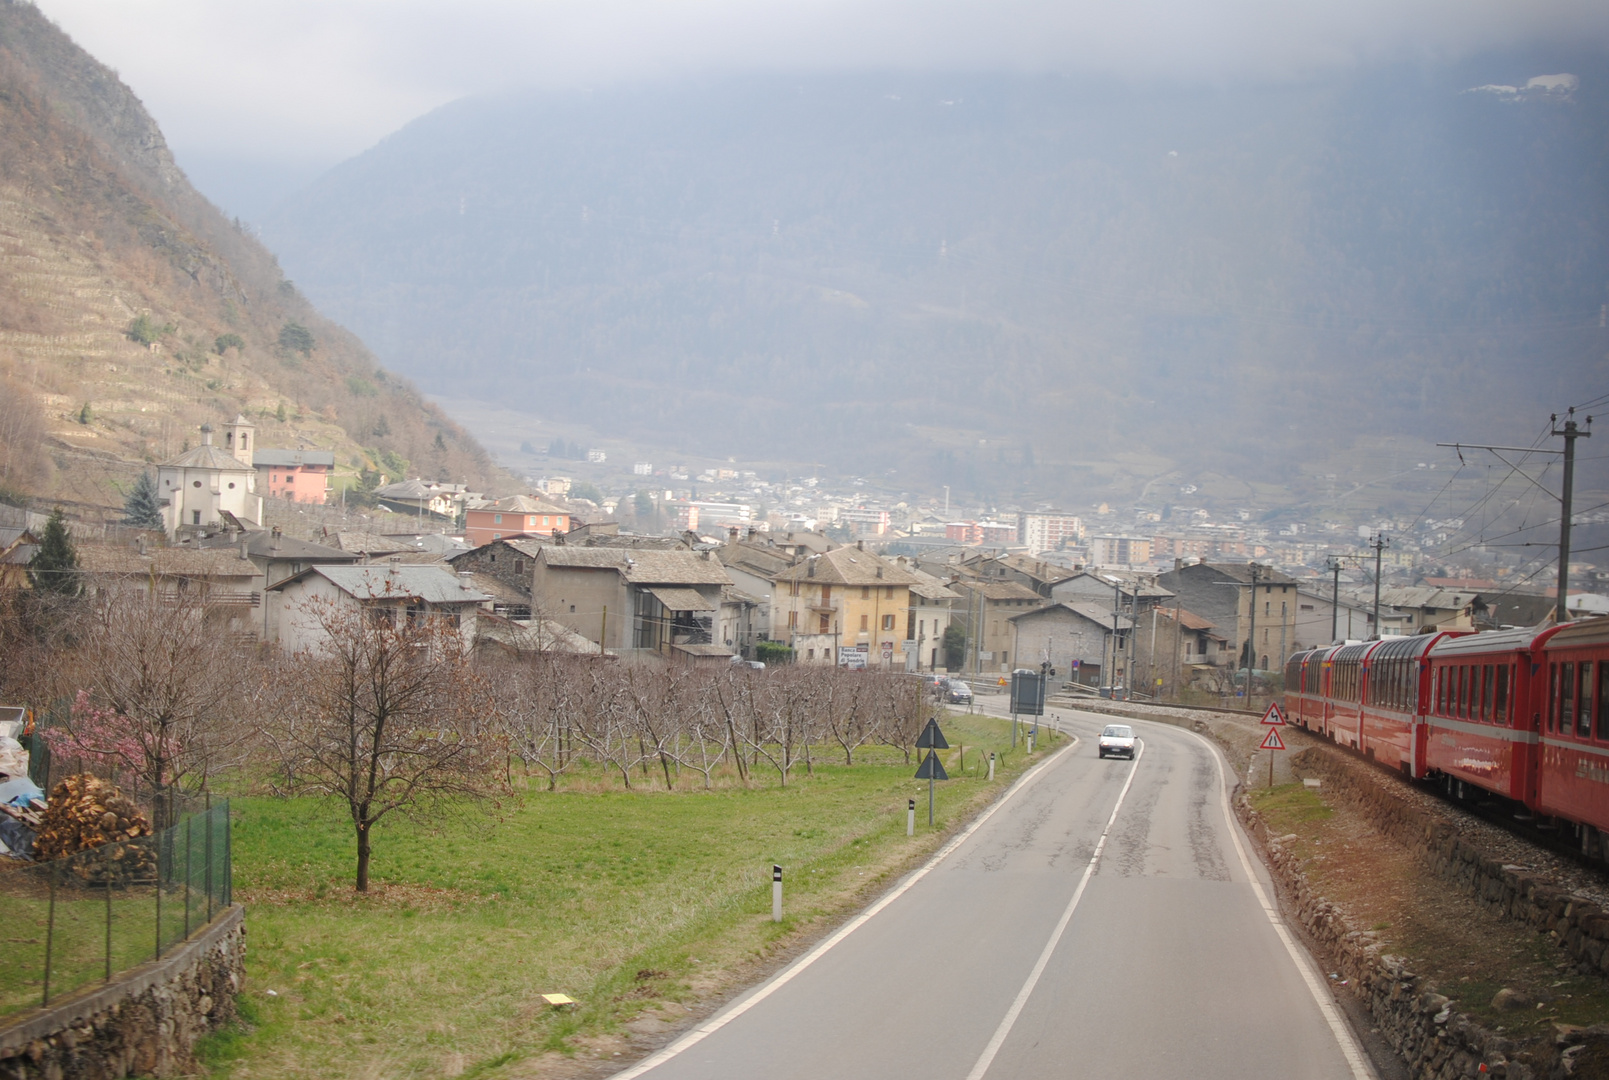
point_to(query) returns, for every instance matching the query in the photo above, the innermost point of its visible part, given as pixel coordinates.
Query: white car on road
(1116, 740)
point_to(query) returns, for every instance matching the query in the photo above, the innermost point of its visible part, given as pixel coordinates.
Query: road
(1100, 921)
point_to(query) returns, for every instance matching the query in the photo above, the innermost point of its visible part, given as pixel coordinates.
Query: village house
(295, 475)
(1233, 596)
(517, 515)
(932, 611)
(308, 600)
(1081, 641)
(275, 557)
(222, 580)
(422, 497)
(17, 548)
(985, 608)
(1036, 574)
(203, 487)
(849, 597)
(638, 599)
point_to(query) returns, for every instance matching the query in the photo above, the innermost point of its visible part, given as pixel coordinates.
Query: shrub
(295, 337)
(226, 342)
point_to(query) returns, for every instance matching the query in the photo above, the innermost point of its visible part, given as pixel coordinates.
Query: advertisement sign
(852, 656)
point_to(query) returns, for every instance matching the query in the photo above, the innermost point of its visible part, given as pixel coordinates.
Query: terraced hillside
(131, 311)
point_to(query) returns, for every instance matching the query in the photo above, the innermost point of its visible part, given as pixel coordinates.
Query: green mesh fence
(81, 920)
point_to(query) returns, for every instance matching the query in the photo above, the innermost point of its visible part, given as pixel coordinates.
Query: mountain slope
(100, 229)
(879, 271)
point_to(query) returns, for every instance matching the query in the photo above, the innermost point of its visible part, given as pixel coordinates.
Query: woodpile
(87, 812)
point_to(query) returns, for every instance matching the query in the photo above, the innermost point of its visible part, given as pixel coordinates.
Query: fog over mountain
(879, 271)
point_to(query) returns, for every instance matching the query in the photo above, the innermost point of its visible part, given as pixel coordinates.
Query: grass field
(639, 905)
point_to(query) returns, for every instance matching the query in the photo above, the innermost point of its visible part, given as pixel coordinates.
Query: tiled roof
(1093, 612)
(848, 566)
(432, 584)
(676, 598)
(640, 567)
(292, 458)
(999, 591)
(525, 504)
(165, 561)
(261, 542)
(1189, 620)
(206, 456)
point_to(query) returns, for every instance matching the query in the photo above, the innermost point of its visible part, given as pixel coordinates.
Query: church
(200, 486)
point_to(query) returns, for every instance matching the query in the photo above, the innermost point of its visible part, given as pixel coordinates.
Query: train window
(1488, 690)
(1442, 682)
(1553, 697)
(1566, 697)
(1585, 711)
(1500, 712)
(1462, 707)
(1603, 705)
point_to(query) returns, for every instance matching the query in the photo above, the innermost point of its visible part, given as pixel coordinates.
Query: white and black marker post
(776, 893)
(991, 766)
(910, 817)
(931, 769)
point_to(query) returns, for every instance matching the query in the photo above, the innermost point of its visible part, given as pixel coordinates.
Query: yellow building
(843, 599)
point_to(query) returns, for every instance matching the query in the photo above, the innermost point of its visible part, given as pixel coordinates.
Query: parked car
(1117, 740)
(957, 692)
(753, 665)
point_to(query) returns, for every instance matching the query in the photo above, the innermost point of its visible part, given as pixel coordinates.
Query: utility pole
(1251, 638)
(1570, 434)
(1379, 543)
(1335, 598)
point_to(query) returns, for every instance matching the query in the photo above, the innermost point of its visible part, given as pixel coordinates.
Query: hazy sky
(293, 86)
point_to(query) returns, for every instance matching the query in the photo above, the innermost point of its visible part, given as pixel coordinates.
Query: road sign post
(1271, 742)
(776, 893)
(910, 817)
(931, 769)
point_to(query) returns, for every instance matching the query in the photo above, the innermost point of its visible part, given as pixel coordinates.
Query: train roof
(1594, 631)
(1527, 637)
(1410, 645)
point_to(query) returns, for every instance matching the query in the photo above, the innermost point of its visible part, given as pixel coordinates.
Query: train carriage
(1483, 727)
(1343, 701)
(1396, 696)
(1571, 672)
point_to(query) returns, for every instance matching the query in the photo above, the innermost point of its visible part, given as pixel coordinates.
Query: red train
(1523, 714)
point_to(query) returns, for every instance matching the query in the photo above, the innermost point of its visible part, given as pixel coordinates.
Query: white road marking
(787, 974)
(1355, 1058)
(1000, 1033)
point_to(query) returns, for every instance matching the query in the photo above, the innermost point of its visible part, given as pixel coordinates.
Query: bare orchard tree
(161, 688)
(539, 704)
(388, 714)
(707, 728)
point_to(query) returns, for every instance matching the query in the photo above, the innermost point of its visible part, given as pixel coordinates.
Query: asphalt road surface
(1105, 919)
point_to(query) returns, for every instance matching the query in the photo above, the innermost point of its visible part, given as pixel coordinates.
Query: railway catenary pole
(1570, 434)
(1335, 598)
(1378, 542)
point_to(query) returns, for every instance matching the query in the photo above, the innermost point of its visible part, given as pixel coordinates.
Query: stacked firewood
(87, 812)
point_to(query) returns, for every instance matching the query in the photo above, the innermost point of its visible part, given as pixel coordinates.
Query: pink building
(295, 475)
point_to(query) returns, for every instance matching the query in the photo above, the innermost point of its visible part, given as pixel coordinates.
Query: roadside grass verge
(641, 905)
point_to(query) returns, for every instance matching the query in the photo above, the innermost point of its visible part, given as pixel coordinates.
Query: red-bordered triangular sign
(1274, 715)
(1272, 741)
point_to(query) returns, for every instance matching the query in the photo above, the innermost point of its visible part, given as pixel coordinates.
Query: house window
(863, 619)
(793, 588)
(519, 566)
(195, 517)
(793, 620)
(826, 594)
(290, 478)
(888, 591)
(865, 592)
(826, 625)
(497, 519)
(544, 521)
(810, 654)
(888, 622)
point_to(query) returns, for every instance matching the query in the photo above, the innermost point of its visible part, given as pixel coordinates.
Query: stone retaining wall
(1436, 1042)
(1578, 926)
(144, 1022)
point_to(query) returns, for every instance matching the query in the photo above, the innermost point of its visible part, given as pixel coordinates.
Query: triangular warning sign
(1272, 741)
(1274, 715)
(932, 768)
(931, 738)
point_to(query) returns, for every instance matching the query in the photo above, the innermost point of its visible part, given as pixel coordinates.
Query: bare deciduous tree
(388, 715)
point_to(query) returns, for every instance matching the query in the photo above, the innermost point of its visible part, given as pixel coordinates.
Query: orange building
(517, 515)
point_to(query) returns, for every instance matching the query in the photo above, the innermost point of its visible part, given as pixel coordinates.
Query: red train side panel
(1570, 683)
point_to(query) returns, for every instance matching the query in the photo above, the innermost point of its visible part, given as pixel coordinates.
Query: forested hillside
(863, 269)
(132, 311)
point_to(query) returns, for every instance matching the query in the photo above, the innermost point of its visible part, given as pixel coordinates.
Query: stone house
(630, 598)
(394, 591)
(1080, 639)
(986, 608)
(1232, 596)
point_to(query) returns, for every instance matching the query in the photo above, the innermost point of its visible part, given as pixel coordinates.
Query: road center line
(787, 974)
(1355, 1058)
(1027, 990)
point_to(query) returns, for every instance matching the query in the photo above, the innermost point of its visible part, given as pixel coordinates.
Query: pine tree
(142, 508)
(54, 567)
